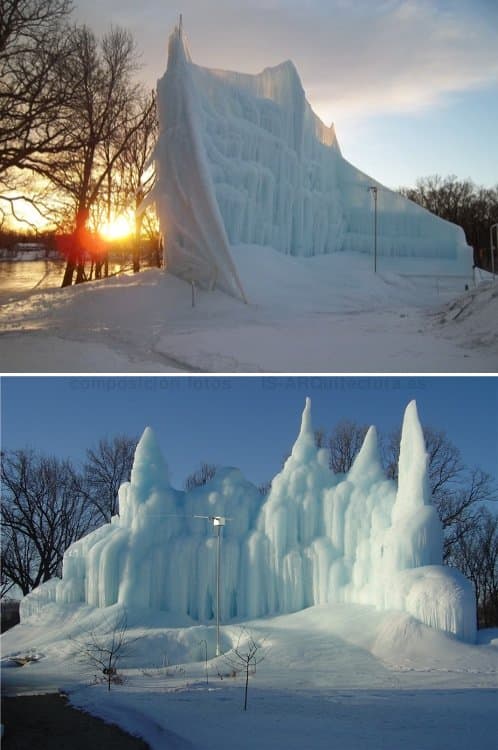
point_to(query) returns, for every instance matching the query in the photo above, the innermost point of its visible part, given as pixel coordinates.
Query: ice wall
(195, 242)
(316, 538)
(242, 159)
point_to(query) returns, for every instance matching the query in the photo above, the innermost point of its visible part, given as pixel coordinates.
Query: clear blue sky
(411, 85)
(248, 422)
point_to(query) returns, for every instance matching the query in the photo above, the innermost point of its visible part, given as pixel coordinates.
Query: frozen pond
(24, 276)
(18, 277)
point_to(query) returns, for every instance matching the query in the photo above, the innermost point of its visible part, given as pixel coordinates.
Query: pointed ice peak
(306, 424)
(177, 48)
(287, 66)
(366, 467)
(304, 448)
(413, 488)
(149, 468)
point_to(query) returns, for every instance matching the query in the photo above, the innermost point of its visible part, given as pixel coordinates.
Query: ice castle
(243, 160)
(316, 538)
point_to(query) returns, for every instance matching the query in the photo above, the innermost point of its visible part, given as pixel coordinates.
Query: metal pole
(491, 248)
(375, 231)
(374, 190)
(218, 557)
(206, 658)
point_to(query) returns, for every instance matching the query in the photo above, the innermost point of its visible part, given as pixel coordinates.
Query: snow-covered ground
(323, 314)
(333, 676)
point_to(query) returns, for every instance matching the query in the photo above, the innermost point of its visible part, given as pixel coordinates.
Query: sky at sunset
(411, 85)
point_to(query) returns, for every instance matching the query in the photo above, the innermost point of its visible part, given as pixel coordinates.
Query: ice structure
(243, 160)
(316, 538)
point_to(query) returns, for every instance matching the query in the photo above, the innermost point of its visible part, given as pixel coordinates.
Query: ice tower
(316, 538)
(243, 160)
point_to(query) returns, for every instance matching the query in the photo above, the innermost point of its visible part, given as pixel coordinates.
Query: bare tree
(33, 51)
(35, 45)
(475, 553)
(43, 511)
(246, 655)
(100, 117)
(344, 443)
(135, 176)
(104, 648)
(106, 468)
(201, 476)
(320, 438)
(264, 488)
(462, 202)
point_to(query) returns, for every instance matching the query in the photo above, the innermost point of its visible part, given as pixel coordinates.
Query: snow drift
(316, 538)
(243, 160)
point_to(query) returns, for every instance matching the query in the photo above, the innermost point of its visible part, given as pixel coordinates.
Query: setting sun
(118, 228)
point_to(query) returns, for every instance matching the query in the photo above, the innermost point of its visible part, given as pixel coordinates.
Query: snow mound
(472, 317)
(243, 160)
(317, 538)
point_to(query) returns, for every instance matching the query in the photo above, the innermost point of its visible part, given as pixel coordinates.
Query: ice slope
(243, 159)
(316, 538)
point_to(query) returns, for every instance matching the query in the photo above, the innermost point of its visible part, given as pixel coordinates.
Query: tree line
(76, 129)
(473, 207)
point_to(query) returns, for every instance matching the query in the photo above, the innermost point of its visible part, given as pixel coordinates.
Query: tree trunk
(80, 272)
(159, 252)
(136, 244)
(138, 230)
(68, 274)
(247, 685)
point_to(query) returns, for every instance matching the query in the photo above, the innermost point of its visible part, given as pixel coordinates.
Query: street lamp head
(219, 520)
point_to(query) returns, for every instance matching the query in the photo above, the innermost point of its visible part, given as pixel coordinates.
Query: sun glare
(117, 229)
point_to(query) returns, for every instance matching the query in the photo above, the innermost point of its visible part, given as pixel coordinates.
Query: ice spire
(366, 467)
(149, 470)
(416, 534)
(413, 489)
(304, 447)
(306, 425)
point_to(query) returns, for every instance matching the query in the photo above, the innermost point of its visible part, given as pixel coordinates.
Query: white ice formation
(316, 538)
(243, 160)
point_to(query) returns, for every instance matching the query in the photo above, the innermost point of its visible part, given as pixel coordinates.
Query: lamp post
(491, 248)
(218, 522)
(203, 641)
(374, 190)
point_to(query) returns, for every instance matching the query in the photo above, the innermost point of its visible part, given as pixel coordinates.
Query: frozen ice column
(416, 531)
(195, 242)
(292, 521)
(416, 580)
